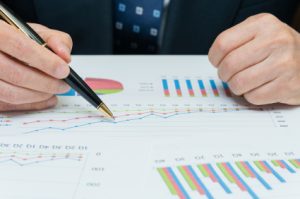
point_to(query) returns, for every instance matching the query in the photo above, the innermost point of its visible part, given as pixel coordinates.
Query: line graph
(69, 118)
(25, 159)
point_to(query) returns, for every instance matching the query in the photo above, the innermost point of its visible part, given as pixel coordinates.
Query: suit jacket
(191, 26)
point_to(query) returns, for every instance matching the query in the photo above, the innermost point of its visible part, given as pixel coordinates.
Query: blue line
(177, 84)
(250, 191)
(213, 84)
(226, 189)
(189, 84)
(71, 92)
(290, 169)
(262, 181)
(165, 84)
(208, 194)
(274, 172)
(178, 183)
(115, 122)
(201, 85)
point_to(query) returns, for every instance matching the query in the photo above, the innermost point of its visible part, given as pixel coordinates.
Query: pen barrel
(82, 88)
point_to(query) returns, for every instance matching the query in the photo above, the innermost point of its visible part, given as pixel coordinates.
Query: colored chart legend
(185, 181)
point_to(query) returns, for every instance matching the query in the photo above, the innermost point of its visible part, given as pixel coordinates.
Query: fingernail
(64, 88)
(52, 102)
(62, 71)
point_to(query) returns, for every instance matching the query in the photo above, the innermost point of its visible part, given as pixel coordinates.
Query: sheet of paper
(179, 133)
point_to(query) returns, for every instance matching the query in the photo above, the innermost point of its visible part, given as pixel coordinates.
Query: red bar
(199, 188)
(238, 183)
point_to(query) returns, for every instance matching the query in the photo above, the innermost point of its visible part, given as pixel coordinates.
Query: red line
(247, 168)
(199, 188)
(238, 183)
(211, 175)
(179, 193)
(88, 117)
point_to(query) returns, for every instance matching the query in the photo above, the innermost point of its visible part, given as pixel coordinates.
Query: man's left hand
(260, 60)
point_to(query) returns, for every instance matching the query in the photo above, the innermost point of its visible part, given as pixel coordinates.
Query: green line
(167, 181)
(225, 173)
(187, 178)
(203, 171)
(294, 163)
(259, 166)
(275, 163)
(242, 168)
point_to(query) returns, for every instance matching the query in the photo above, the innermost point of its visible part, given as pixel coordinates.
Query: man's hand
(30, 74)
(260, 59)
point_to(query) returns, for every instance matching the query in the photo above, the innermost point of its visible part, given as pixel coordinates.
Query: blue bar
(260, 179)
(189, 84)
(250, 191)
(201, 85)
(274, 172)
(177, 84)
(225, 85)
(213, 84)
(165, 84)
(208, 194)
(226, 189)
(71, 92)
(290, 169)
(178, 183)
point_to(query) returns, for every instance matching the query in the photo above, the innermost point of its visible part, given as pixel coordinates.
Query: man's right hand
(30, 74)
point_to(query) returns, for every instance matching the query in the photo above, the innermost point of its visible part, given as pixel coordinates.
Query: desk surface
(179, 133)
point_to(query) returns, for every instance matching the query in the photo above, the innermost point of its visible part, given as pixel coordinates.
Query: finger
(49, 103)
(231, 39)
(269, 93)
(17, 95)
(254, 77)
(16, 44)
(18, 74)
(61, 43)
(248, 55)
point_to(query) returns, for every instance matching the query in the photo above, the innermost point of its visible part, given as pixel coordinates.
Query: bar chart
(194, 87)
(221, 179)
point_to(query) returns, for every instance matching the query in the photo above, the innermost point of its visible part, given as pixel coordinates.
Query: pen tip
(105, 110)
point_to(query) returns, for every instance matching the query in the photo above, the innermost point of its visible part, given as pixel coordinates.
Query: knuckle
(267, 17)
(253, 98)
(237, 84)
(221, 42)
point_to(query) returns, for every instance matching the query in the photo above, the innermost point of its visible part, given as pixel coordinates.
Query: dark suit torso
(191, 27)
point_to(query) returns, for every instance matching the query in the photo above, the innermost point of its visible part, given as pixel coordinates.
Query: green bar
(167, 181)
(275, 163)
(227, 175)
(187, 178)
(203, 171)
(294, 163)
(242, 168)
(259, 166)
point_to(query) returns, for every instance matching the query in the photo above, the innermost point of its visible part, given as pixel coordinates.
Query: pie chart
(104, 86)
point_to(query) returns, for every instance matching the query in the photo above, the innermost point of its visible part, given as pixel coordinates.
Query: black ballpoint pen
(74, 80)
